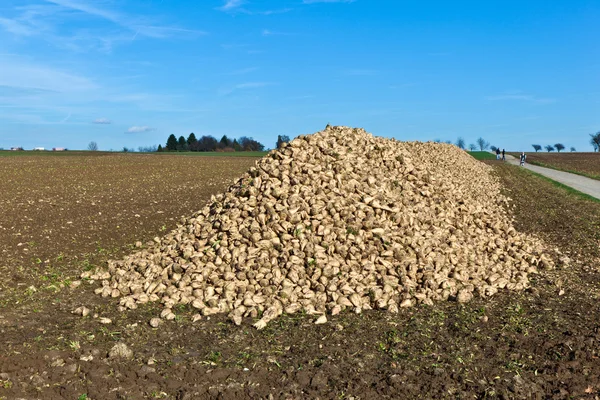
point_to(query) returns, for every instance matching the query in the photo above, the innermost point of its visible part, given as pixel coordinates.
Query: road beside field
(577, 182)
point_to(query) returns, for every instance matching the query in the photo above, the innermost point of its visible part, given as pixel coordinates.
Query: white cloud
(267, 32)
(43, 20)
(521, 97)
(16, 27)
(243, 71)
(327, 1)
(243, 86)
(272, 12)
(236, 6)
(139, 129)
(231, 5)
(85, 8)
(250, 85)
(164, 31)
(360, 72)
(404, 85)
(102, 121)
(19, 75)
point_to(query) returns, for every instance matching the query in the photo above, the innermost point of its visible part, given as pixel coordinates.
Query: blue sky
(131, 72)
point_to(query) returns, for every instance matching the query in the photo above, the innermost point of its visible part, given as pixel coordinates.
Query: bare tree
(549, 148)
(573, 149)
(93, 146)
(483, 145)
(559, 147)
(536, 147)
(460, 143)
(472, 147)
(595, 140)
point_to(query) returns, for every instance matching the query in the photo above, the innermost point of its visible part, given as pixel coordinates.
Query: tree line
(205, 143)
(483, 145)
(210, 143)
(558, 147)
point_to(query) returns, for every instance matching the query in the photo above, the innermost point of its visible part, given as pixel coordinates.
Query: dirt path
(578, 182)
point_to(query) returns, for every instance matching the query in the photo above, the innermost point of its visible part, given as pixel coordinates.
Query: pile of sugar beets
(332, 221)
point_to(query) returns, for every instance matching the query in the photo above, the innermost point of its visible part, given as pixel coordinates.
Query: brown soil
(542, 343)
(587, 164)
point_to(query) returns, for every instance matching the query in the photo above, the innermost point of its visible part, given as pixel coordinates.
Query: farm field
(60, 216)
(586, 164)
(482, 155)
(70, 153)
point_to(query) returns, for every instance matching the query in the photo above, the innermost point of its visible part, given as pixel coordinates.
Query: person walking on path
(503, 155)
(497, 154)
(522, 158)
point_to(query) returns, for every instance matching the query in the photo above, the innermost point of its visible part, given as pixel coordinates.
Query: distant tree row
(209, 143)
(481, 143)
(558, 147)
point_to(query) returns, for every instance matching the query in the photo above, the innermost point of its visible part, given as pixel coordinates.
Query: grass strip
(221, 154)
(482, 155)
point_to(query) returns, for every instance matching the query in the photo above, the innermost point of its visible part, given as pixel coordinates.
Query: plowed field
(60, 216)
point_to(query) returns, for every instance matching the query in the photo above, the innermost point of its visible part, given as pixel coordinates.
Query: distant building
(58, 149)
(39, 149)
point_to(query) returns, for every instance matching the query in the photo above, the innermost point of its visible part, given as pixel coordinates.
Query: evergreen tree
(191, 140)
(181, 144)
(172, 143)
(236, 145)
(159, 149)
(224, 142)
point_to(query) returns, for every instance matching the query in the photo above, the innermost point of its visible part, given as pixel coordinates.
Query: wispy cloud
(272, 12)
(235, 6)
(243, 71)
(327, 1)
(243, 86)
(65, 119)
(231, 5)
(268, 32)
(360, 72)
(251, 85)
(404, 85)
(521, 97)
(303, 97)
(139, 129)
(86, 8)
(16, 27)
(102, 121)
(46, 20)
(27, 77)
